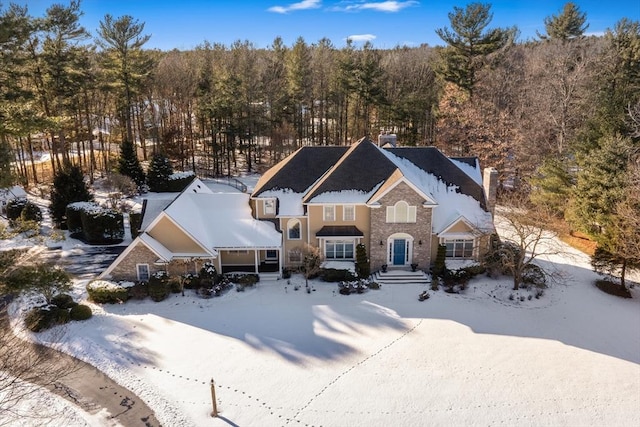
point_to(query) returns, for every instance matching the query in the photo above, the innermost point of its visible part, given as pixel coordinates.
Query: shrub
(363, 268)
(15, 207)
(41, 318)
(159, 287)
(139, 290)
(439, 265)
(208, 274)
(373, 285)
(174, 286)
(80, 312)
(334, 275)
(73, 212)
(286, 273)
(63, 301)
(31, 212)
(122, 184)
(245, 279)
(533, 275)
(102, 225)
(104, 292)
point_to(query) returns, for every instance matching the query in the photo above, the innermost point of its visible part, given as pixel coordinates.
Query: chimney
(490, 184)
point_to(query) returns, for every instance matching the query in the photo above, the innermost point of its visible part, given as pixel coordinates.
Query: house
(400, 202)
(7, 194)
(179, 235)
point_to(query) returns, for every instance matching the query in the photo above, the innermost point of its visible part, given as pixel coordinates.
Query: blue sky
(187, 23)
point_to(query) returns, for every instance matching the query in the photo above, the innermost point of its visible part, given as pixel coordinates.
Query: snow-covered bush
(179, 180)
(106, 292)
(159, 286)
(102, 225)
(73, 212)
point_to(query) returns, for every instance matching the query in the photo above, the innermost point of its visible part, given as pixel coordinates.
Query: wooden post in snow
(214, 413)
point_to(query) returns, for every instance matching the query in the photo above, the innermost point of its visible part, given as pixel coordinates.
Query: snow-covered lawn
(376, 359)
(379, 358)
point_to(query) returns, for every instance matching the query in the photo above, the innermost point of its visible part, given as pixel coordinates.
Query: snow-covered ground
(284, 357)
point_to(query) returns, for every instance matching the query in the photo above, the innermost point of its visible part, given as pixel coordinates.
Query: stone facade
(420, 231)
(140, 254)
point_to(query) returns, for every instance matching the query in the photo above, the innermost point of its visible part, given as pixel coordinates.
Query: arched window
(401, 212)
(293, 229)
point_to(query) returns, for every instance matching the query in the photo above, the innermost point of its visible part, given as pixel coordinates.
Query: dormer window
(401, 212)
(269, 207)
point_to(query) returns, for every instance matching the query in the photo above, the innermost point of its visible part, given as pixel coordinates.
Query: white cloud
(383, 6)
(361, 38)
(303, 5)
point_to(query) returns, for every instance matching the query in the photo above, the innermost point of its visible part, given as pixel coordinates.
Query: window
(143, 272)
(293, 229)
(329, 213)
(272, 254)
(349, 213)
(295, 255)
(401, 212)
(269, 207)
(339, 249)
(459, 248)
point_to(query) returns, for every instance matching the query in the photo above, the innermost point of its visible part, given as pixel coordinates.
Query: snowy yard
(283, 357)
(379, 358)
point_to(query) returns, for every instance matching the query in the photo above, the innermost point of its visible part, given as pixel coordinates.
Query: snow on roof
(12, 192)
(222, 220)
(155, 246)
(451, 204)
(289, 202)
(152, 208)
(345, 196)
(473, 172)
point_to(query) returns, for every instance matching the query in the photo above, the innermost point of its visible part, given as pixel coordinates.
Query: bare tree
(524, 241)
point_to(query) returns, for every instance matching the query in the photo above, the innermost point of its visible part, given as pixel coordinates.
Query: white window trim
(272, 209)
(138, 272)
(290, 224)
(266, 254)
(329, 209)
(443, 241)
(344, 212)
(343, 241)
(392, 214)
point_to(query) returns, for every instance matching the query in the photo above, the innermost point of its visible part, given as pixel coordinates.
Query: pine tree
(7, 177)
(566, 25)
(600, 186)
(129, 165)
(159, 172)
(68, 187)
(551, 185)
(468, 43)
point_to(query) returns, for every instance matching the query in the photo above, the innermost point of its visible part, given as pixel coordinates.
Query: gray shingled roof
(363, 168)
(339, 231)
(303, 169)
(431, 160)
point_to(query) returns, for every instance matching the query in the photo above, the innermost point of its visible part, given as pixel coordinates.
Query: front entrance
(399, 251)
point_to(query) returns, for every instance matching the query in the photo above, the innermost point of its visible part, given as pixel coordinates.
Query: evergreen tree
(468, 43)
(159, 172)
(566, 25)
(600, 186)
(7, 177)
(362, 262)
(129, 165)
(68, 187)
(551, 185)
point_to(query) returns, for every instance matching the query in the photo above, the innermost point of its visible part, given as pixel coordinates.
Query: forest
(558, 116)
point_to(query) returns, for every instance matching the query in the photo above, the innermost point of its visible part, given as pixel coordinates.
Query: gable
(300, 170)
(167, 233)
(360, 169)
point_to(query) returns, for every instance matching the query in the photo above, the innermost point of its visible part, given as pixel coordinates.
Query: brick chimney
(490, 185)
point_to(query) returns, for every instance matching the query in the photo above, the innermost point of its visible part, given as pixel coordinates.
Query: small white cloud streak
(303, 5)
(361, 38)
(384, 6)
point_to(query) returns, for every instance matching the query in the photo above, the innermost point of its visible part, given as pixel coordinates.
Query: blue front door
(399, 248)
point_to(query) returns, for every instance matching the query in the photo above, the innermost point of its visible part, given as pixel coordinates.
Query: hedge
(73, 212)
(102, 226)
(104, 292)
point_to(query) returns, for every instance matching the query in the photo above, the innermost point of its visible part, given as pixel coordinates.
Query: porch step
(269, 276)
(400, 277)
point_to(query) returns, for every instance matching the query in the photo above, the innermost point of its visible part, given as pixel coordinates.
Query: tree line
(558, 115)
